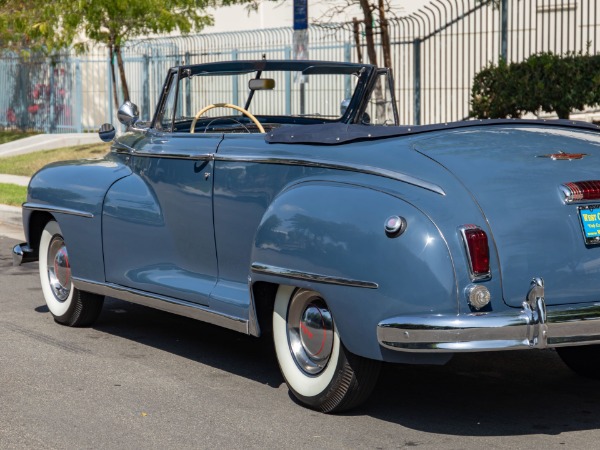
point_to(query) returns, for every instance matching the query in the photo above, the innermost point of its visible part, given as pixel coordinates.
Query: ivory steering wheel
(226, 105)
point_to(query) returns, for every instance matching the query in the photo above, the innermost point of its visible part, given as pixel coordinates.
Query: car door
(158, 223)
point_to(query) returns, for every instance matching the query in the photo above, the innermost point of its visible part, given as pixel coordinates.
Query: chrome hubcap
(59, 269)
(310, 331)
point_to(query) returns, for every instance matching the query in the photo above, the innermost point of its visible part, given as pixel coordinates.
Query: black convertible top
(340, 133)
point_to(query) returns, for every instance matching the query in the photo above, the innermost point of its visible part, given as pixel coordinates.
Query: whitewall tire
(317, 368)
(67, 304)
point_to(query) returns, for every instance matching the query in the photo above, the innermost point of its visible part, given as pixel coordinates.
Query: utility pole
(301, 42)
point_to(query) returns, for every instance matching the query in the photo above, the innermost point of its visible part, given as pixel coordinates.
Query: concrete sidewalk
(14, 179)
(47, 142)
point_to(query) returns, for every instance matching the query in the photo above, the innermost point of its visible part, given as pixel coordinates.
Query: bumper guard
(22, 254)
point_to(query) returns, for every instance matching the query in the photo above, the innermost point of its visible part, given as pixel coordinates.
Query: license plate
(590, 223)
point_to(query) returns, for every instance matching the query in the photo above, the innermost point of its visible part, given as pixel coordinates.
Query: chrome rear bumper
(532, 327)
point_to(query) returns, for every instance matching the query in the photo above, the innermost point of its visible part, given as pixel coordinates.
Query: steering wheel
(226, 105)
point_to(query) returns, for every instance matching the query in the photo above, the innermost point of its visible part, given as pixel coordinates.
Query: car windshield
(274, 95)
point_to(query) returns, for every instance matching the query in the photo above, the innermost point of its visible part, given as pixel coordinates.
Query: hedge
(543, 82)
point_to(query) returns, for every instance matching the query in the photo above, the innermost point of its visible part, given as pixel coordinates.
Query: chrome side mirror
(107, 132)
(128, 113)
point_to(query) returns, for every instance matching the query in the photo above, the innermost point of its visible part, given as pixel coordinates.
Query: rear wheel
(319, 371)
(584, 360)
(68, 305)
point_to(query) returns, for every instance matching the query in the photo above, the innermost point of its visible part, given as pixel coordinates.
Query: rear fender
(330, 237)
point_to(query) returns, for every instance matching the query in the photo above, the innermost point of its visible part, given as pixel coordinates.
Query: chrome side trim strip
(186, 156)
(306, 276)
(172, 305)
(324, 164)
(348, 167)
(56, 209)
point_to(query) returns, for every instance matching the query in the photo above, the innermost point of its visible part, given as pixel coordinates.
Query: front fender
(73, 193)
(330, 237)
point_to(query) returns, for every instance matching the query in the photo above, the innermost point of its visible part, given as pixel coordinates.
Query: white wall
(280, 14)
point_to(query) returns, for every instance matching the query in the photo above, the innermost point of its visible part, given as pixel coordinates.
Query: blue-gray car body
(208, 225)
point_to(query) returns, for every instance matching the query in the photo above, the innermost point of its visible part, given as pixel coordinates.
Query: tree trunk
(368, 13)
(372, 53)
(385, 35)
(356, 32)
(122, 73)
(113, 76)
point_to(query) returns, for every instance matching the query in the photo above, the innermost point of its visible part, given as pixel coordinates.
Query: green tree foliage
(56, 24)
(543, 82)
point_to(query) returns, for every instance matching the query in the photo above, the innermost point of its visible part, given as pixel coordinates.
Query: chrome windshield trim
(326, 164)
(168, 304)
(314, 277)
(56, 209)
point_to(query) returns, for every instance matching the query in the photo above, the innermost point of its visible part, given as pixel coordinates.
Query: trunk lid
(511, 174)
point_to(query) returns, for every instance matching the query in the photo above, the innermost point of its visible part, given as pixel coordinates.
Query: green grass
(11, 194)
(13, 135)
(30, 163)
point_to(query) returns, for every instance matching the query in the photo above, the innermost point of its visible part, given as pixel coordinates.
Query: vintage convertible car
(283, 198)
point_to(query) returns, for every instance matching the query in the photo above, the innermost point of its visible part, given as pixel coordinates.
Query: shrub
(544, 81)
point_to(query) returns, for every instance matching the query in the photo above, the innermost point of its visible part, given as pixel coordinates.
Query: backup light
(478, 295)
(581, 191)
(478, 251)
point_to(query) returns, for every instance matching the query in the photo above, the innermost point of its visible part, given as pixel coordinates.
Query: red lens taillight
(579, 191)
(476, 244)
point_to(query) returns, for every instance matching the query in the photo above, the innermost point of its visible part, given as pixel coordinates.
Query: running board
(168, 304)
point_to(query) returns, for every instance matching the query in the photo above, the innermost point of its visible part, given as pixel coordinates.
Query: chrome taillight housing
(478, 251)
(581, 191)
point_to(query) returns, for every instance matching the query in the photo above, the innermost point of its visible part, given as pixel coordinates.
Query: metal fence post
(417, 81)
(109, 89)
(504, 30)
(288, 85)
(188, 90)
(235, 97)
(51, 120)
(78, 104)
(146, 87)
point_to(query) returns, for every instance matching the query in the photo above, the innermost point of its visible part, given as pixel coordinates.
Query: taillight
(478, 251)
(581, 191)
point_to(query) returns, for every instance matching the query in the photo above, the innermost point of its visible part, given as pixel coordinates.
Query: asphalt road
(141, 378)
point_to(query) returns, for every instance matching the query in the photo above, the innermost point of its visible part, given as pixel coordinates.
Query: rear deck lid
(519, 176)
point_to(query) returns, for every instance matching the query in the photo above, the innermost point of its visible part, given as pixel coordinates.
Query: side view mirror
(107, 132)
(128, 113)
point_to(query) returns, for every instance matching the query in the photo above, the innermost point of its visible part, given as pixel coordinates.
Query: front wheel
(68, 305)
(319, 371)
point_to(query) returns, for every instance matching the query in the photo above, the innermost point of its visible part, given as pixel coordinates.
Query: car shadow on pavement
(487, 394)
(227, 350)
